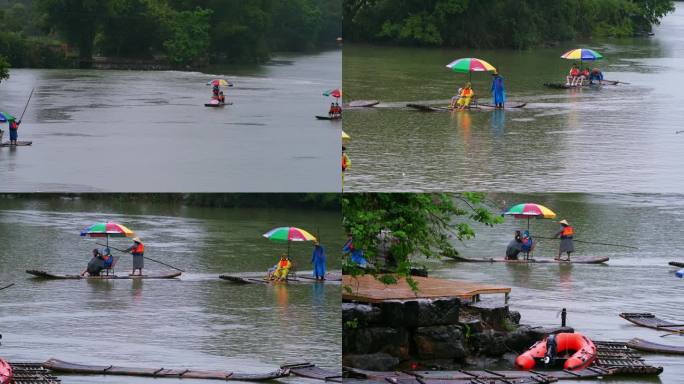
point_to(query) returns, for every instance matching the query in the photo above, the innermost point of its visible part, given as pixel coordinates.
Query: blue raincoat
(356, 254)
(498, 91)
(318, 261)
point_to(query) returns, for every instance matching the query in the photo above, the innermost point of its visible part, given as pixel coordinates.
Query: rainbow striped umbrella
(582, 54)
(288, 234)
(336, 93)
(220, 83)
(5, 117)
(107, 230)
(529, 210)
(469, 65)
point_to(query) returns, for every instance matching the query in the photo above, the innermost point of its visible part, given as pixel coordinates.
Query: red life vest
(284, 263)
(345, 162)
(585, 73)
(574, 72)
(466, 92)
(139, 249)
(567, 231)
(13, 124)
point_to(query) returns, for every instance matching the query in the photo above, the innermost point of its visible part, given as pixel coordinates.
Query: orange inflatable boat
(5, 372)
(555, 347)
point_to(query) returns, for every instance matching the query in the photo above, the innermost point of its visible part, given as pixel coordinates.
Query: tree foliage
(497, 23)
(4, 69)
(185, 31)
(423, 224)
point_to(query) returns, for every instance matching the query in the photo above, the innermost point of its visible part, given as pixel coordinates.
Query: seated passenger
(465, 97)
(95, 265)
(283, 269)
(596, 75)
(514, 247)
(221, 98)
(573, 76)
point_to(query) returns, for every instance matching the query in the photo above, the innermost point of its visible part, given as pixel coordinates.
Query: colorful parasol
(582, 54)
(469, 65)
(288, 234)
(107, 230)
(5, 117)
(220, 83)
(529, 210)
(336, 93)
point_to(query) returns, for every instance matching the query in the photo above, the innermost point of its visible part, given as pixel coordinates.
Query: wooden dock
(367, 289)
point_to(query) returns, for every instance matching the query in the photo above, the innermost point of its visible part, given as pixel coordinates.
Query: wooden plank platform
(32, 373)
(368, 289)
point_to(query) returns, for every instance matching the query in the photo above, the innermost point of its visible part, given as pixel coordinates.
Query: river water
(632, 281)
(617, 138)
(134, 131)
(198, 321)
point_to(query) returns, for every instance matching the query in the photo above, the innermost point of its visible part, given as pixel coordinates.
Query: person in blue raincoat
(318, 261)
(498, 90)
(356, 254)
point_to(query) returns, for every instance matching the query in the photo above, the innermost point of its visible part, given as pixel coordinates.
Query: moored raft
(647, 346)
(56, 365)
(573, 260)
(311, 371)
(585, 85)
(362, 104)
(650, 320)
(328, 118)
(52, 276)
(676, 264)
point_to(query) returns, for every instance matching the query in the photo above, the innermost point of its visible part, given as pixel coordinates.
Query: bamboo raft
(52, 276)
(647, 346)
(586, 84)
(650, 320)
(481, 107)
(32, 373)
(310, 371)
(574, 260)
(330, 278)
(362, 104)
(676, 264)
(614, 358)
(65, 367)
(19, 144)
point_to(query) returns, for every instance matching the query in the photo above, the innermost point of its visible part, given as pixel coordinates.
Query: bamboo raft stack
(32, 373)
(311, 371)
(613, 358)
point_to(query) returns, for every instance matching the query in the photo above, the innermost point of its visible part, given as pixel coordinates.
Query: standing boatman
(498, 90)
(566, 234)
(137, 250)
(13, 130)
(318, 261)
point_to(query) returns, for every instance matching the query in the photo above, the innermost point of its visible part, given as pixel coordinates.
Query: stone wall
(441, 334)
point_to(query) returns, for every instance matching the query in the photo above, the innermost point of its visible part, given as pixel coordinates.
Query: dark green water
(617, 138)
(632, 281)
(198, 321)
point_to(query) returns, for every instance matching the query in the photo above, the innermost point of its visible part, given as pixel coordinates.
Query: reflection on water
(613, 138)
(197, 321)
(632, 281)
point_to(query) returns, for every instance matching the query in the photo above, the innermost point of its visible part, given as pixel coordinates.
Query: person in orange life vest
(137, 250)
(331, 112)
(346, 162)
(465, 97)
(221, 98)
(566, 234)
(338, 110)
(584, 75)
(573, 76)
(13, 130)
(283, 268)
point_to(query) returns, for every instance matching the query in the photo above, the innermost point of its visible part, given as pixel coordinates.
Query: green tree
(189, 36)
(4, 69)
(423, 224)
(132, 27)
(78, 22)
